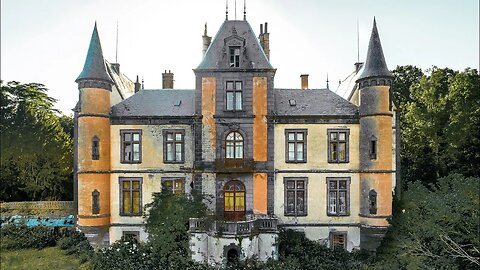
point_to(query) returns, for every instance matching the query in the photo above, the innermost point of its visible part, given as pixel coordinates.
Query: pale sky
(46, 41)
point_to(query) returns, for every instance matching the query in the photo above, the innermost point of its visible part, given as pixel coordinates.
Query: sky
(46, 41)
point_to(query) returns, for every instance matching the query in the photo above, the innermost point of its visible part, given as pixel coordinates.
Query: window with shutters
(338, 240)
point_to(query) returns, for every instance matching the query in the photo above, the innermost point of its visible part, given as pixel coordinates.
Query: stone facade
(304, 159)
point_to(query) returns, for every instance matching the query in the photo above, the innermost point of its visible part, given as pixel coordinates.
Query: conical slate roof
(94, 68)
(216, 56)
(375, 65)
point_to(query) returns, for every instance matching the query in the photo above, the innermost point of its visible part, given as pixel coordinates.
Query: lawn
(47, 258)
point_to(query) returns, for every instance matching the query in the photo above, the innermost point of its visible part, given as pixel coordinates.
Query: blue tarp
(38, 221)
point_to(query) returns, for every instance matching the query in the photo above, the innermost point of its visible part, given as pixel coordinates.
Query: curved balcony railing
(256, 225)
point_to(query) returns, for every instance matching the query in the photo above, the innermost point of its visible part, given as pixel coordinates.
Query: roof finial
(226, 10)
(116, 48)
(143, 83)
(244, 10)
(328, 87)
(235, 10)
(358, 43)
(205, 31)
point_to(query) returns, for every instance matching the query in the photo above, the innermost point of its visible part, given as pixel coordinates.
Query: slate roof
(318, 102)
(157, 103)
(216, 56)
(375, 65)
(123, 85)
(94, 68)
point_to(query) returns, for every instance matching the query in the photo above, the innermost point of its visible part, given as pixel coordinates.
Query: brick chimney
(304, 78)
(167, 80)
(264, 38)
(137, 85)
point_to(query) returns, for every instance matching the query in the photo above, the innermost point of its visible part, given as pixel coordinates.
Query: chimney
(264, 38)
(137, 85)
(167, 80)
(116, 67)
(206, 40)
(304, 78)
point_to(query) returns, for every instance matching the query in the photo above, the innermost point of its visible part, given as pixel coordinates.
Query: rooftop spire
(375, 65)
(244, 10)
(94, 68)
(226, 10)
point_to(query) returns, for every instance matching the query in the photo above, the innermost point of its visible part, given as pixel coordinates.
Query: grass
(34, 259)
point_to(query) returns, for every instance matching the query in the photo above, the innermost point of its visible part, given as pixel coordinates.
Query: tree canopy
(36, 145)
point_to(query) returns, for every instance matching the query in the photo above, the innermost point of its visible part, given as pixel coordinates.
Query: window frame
(305, 196)
(236, 58)
(372, 202)
(134, 234)
(235, 215)
(234, 91)
(373, 149)
(165, 133)
(95, 202)
(123, 143)
(234, 162)
(121, 180)
(334, 234)
(173, 180)
(337, 198)
(295, 141)
(95, 148)
(347, 145)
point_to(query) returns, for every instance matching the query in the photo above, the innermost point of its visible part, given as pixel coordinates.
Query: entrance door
(234, 194)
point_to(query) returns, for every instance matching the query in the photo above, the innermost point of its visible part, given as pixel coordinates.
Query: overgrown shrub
(18, 237)
(76, 244)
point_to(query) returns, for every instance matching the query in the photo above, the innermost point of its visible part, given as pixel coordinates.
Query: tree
(36, 152)
(435, 227)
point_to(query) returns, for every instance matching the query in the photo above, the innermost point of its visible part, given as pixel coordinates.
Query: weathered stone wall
(40, 208)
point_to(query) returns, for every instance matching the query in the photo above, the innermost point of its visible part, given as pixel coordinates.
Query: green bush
(20, 237)
(76, 243)
(124, 254)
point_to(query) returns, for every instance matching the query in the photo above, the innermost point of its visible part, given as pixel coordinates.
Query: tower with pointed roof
(92, 144)
(376, 145)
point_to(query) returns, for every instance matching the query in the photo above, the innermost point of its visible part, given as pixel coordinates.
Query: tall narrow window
(175, 186)
(131, 196)
(338, 196)
(295, 196)
(95, 202)
(338, 145)
(373, 148)
(131, 146)
(338, 240)
(296, 145)
(372, 201)
(235, 56)
(234, 100)
(234, 149)
(234, 195)
(95, 148)
(173, 146)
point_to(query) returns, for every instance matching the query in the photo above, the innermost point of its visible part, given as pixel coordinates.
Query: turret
(376, 143)
(93, 144)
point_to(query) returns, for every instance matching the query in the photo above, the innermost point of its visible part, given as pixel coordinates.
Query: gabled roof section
(237, 33)
(375, 65)
(155, 103)
(122, 88)
(312, 102)
(94, 68)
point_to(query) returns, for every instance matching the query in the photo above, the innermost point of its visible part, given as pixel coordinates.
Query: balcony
(256, 225)
(234, 165)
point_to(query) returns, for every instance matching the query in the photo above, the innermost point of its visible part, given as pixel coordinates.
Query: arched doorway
(234, 195)
(232, 257)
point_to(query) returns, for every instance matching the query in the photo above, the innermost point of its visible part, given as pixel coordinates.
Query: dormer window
(235, 56)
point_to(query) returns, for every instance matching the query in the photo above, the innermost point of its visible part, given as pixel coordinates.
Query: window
(95, 148)
(173, 185)
(234, 195)
(338, 240)
(131, 196)
(234, 101)
(234, 149)
(95, 202)
(234, 56)
(372, 202)
(338, 196)
(131, 234)
(373, 148)
(296, 145)
(338, 145)
(295, 196)
(131, 143)
(173, 146)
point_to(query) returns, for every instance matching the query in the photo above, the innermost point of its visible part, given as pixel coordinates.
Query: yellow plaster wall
(94, 100)
(209, 134)
(317, 147)
(88, 128)
(260, 121)
(87, 183)
(317, 198)
(152, 147)
(260, 193)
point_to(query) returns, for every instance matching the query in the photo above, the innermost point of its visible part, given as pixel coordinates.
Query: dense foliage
(36, 145)
(440, 122)
(21, 236)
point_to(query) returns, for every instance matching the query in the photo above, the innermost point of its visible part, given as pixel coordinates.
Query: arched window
(372, 201)
(234, 194)
(233, 148)
(95, 148)
(95, 202)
